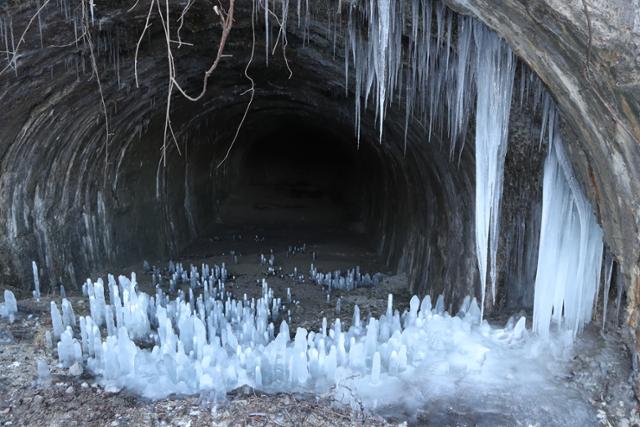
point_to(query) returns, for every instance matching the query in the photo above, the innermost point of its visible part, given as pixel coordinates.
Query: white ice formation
(571, 244)
(36, 281)
(9, 308)
(346, 281)
(44, 375)
(209, 342)
(495, 70)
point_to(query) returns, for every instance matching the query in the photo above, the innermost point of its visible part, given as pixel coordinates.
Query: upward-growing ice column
(495, 68)
(36, 281)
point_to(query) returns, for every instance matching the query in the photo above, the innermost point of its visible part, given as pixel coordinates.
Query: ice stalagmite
(68, 316)
(571, 248)
(56, 321)
(375, 369)
(69, 350)
(36, 281)
(10, 306)
(495, 73)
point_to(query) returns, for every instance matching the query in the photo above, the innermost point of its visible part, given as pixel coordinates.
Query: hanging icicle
(607, 288)
(494, 75)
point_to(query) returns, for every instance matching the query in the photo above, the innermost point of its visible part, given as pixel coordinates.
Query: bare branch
(282, 33)
(147, 25)
(94, 65)
(181, 20)
(226, 29)
(250, 90)
(134, 6)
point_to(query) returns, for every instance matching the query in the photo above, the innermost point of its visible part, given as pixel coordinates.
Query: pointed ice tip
(284, 329)
(440, 304)
(520, 327)
(414, 304)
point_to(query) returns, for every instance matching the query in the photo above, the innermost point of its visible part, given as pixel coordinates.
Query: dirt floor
(600, 370)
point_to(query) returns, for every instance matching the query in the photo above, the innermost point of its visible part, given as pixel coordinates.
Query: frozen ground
(589, 387)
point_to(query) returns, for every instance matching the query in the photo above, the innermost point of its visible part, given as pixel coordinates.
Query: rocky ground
(600, 370)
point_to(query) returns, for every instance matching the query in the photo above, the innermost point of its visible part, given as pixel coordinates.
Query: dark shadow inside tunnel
(296, 175)
(290, 179)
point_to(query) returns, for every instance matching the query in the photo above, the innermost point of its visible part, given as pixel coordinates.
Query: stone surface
(76, 369)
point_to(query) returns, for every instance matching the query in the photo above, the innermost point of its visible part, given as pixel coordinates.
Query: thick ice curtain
(571, 249)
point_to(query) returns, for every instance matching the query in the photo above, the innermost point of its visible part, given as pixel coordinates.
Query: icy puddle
(423, 362)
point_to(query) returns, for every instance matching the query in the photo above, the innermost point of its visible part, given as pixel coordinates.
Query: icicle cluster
(432, 76)
(156, 345)
(433, 73)
(439, 83)
(107, 46)
(347, 281)
(607, 288)
(571, 244)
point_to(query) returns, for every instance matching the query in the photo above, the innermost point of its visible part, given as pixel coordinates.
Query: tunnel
(171, 133)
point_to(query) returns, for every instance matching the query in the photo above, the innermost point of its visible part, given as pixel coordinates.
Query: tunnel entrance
(371, 204)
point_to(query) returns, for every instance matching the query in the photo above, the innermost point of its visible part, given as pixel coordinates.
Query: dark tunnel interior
(297, 174)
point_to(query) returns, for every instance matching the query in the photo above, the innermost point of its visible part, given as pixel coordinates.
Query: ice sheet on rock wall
(523, 230)
(570, 250)
(495, 69)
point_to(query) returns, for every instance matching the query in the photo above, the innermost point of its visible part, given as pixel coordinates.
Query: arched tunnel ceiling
(109, 198)
(62, 195)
